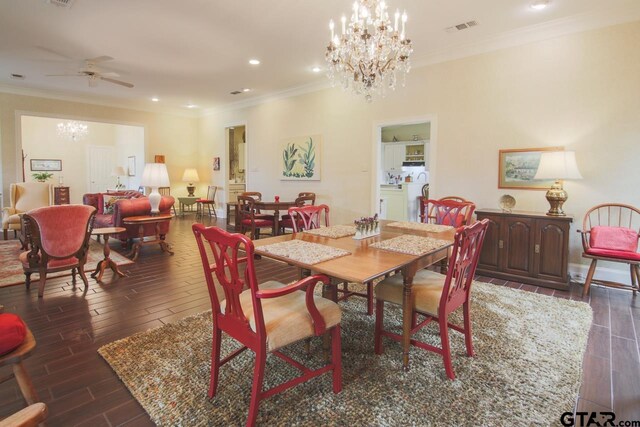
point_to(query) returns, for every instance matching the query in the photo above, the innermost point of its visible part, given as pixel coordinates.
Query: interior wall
(174, 136)
(129, 141)
(579, 91)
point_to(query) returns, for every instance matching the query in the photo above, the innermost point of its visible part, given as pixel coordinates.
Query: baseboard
(579, 273)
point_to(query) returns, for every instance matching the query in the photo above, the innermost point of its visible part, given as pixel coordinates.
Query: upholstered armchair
(24, 196)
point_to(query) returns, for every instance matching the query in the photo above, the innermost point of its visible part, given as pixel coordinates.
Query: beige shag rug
(527, 371)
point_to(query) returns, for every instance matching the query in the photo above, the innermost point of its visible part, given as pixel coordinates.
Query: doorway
(236, 147)
(405, 167)
(100, 164)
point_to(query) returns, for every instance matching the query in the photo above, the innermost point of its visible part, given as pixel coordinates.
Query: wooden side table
(187, 202)
(140, 221)
(107, 261)
(61, 195)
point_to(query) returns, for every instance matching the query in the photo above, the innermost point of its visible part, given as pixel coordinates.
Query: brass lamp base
(191, 188)
(556, 196)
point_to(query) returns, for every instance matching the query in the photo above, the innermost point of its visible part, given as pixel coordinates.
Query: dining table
(365, 263)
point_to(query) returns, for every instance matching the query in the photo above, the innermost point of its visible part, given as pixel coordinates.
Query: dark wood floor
(80, 389)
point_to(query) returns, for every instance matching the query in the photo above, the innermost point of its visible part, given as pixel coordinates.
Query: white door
(100, 166)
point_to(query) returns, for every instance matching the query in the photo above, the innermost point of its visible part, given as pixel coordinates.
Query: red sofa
(134, 204)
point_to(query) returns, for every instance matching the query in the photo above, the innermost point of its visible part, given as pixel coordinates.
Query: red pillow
(614, 238)
(12, 332)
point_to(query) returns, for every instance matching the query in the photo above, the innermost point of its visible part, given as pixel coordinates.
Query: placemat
(305, 252)
(334, 231)
(412, 245)
(433, 228)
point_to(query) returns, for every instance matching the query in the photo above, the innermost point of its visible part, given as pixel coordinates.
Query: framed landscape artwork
(518, 167)
(46, 165)
(301, 158)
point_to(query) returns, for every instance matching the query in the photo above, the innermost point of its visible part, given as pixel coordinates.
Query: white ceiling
(197, 51)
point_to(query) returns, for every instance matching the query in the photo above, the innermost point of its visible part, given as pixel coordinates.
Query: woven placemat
(412, 245)
(334, 231)
(433, 228)
(304, 252)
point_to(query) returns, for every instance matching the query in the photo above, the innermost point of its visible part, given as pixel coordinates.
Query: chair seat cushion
(427, 290)
(608, 253)
(54, 263)
(12, 332)
(204, 201)
(614, 238)
(259, 222)
(14, 219)
(265, 216)
(286, 318)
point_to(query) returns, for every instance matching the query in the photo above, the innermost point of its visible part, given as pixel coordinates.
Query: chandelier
(370, 51)
(73, 130)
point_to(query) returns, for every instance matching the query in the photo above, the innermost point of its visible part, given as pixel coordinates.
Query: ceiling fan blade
(99, 59)
(118, 82)
(65, 75)
(110, 74)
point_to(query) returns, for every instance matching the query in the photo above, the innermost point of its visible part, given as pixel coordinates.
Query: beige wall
(580, 91)
(175, 137)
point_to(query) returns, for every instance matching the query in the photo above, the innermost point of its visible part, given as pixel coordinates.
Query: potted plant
(42, 176)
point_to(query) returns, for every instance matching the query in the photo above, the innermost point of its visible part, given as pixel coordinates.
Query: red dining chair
(209, 202)
(446, 212)
(436, 296)
(308, 217)
(263, 318)
(610, 232)
(303, 199)
(251, 220)
(59, 241)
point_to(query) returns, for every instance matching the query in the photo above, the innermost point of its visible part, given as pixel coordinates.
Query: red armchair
(133, 203)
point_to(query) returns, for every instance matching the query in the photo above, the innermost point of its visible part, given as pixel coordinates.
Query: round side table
(107, 261)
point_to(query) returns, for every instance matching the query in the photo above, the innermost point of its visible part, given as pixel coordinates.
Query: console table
(528, 247)
(187, 201)
(61, 196)
(141, 221)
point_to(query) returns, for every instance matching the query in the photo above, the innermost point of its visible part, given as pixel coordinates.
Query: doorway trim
(376, 154)
(224, 167)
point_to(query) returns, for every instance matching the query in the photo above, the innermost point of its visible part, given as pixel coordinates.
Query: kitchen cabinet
(526, 247)
(414, 152)
(393, 202)
(234, 190)
(394, 155)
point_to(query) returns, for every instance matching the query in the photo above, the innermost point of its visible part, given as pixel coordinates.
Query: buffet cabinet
(527, 247)
(61, 196)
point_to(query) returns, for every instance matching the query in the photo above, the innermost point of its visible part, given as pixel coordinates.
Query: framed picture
(518, 167)
(301, 158)
(216, 163)
(158, 158)
(46, 165)
(131, 167)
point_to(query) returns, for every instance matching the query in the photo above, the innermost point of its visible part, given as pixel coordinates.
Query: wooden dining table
(365, 264)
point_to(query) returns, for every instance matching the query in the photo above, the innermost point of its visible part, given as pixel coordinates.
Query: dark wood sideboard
(527, 247)
(61, 196)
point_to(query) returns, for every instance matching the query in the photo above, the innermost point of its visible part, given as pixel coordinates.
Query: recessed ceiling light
(191, 106)
(254, 62)
(246, 89)
(316, 69)
(154, 99)
(539, 4)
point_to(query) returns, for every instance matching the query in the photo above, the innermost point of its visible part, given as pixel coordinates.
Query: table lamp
(190, 175)
(118, 171)
(155, 175)
(557, 165)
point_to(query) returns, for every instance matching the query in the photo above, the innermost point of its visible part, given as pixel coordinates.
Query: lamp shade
(155, 175)
(558, 165)
(190, 175)
(118, 171)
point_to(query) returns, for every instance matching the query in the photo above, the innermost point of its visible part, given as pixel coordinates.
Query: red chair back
(447, 212)
(235, 272)
(308, 217)
(63, 230)
(462, 266)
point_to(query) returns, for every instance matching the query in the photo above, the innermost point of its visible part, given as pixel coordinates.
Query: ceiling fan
(94, 73)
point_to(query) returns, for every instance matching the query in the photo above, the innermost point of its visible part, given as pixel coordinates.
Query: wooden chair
(209, 202)
(59, 241)
(303, 199)
(263, 318)
(610, 233)
(15, 359)
(30, 416)
(257, 196)
(436, 296)
(166, 191)
(251, 220)
(446, 211)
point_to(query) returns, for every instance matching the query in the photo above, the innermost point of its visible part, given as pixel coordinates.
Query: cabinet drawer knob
(536, 249)
(500, 244)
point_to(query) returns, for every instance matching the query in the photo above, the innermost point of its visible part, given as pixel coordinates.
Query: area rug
(527, 370)
(11, 272)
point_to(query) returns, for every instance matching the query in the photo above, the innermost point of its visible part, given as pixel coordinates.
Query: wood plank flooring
(81, 389)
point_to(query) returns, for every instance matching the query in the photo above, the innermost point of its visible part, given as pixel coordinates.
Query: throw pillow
(109, 203)
(614, 238)
(12, 332)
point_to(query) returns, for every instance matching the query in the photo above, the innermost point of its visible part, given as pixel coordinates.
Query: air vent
(236, 92)
(61, 3)
(15, 76)
(461, 26)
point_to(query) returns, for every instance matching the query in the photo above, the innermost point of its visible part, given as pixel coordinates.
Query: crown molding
(61, 96)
